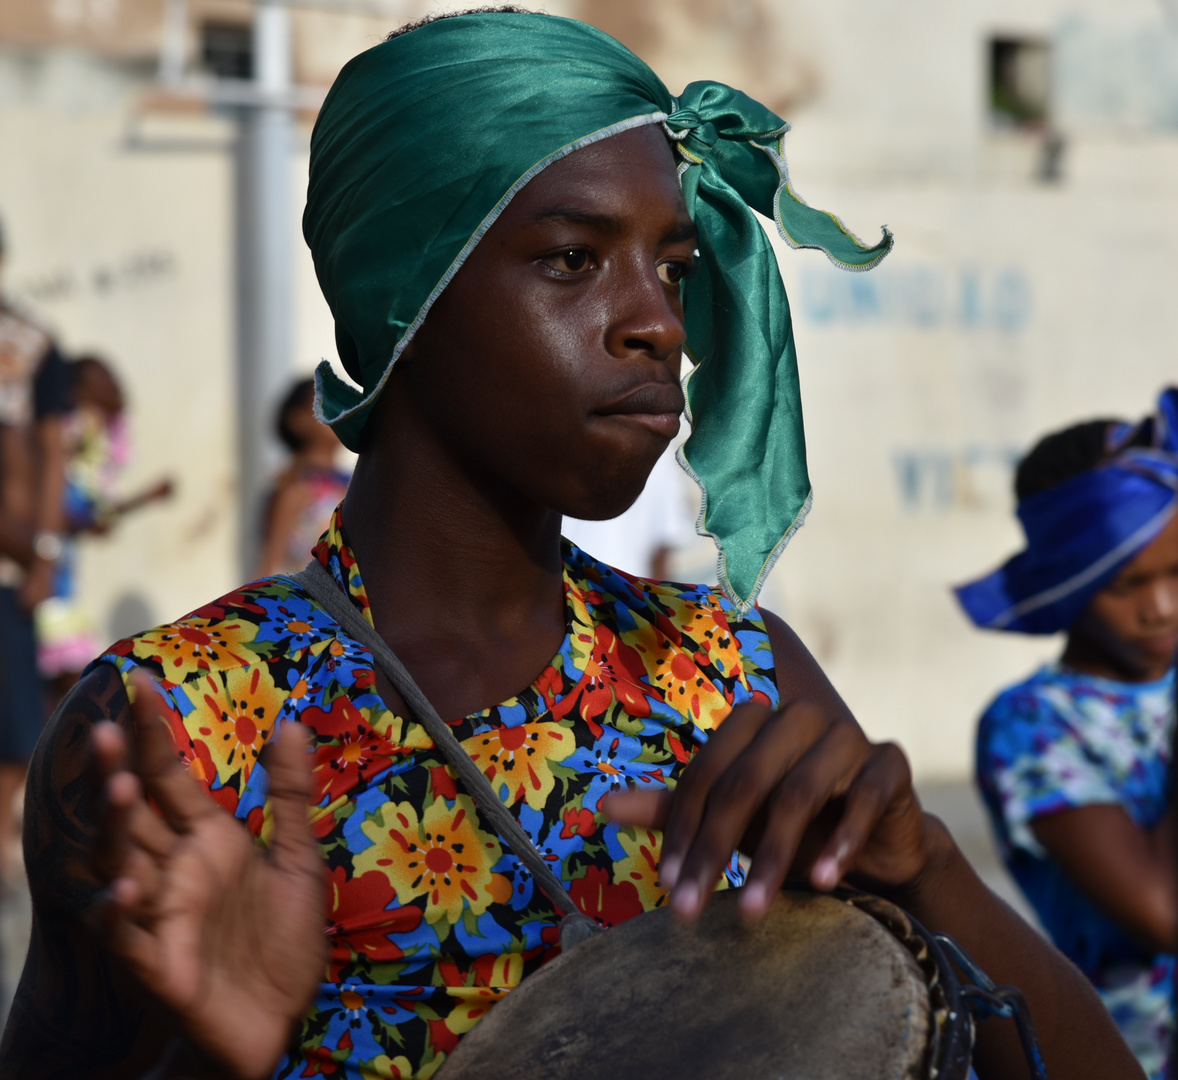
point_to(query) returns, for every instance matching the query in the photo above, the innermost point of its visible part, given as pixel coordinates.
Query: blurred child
(307, 491)
(1074, 762)
(97, 448)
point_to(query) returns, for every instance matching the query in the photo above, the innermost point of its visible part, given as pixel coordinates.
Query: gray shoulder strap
(317, 580)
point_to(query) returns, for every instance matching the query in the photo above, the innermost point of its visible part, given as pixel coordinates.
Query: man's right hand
(228, 936)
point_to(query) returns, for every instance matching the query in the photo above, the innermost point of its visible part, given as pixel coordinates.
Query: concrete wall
(1009, 306)
(119, 229)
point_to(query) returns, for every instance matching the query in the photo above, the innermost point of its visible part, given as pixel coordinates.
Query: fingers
(127, 939)
(692, 793)
(882, 789)
(178, 796)
(288, 763)
(781, 783)
(826, 771)
(119, 789)
(787, 767)
(786, 788)
(109, 746)
(642, 809)
(801, 791)
(133, 841)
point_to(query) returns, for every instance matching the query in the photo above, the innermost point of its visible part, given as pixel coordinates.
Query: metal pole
(264, 280)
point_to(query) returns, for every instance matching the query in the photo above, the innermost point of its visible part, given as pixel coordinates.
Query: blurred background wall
(1025, 154)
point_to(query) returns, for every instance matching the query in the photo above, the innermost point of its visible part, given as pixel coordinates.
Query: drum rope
(317, 580)
(986, 1000)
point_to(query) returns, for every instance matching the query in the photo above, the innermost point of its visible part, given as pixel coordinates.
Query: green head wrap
(424, 139)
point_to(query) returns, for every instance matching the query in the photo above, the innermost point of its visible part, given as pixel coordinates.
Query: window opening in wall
(227, 50)
(1020, 82)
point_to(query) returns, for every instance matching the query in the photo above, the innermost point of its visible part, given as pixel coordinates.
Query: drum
(824, 988)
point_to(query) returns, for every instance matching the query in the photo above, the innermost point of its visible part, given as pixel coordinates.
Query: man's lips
(655, 406)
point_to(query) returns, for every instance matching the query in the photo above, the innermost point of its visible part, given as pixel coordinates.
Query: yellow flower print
(386, 1068)
(517, 758)
(687, 690)
(474, 1002)
(640, 867)
(196, 645)
(444, 857)
(240, 710)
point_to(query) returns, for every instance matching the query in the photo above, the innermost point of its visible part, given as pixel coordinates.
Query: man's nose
(649, 318)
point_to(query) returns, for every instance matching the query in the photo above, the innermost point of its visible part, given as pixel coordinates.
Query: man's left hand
(801, 791)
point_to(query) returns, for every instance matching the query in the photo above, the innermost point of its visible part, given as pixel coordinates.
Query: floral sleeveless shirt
(430, 918)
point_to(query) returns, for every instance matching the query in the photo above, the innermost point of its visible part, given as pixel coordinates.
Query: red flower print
(441, 1038)
(682, 754)
(365, 678)
(227, 798)
(230, 605)
(599, 898)
(357, 752)
(578, 823)
(613, 673)
(549, 684)
(624, 670)
(668, 629)
(360, 918)
(445, 786)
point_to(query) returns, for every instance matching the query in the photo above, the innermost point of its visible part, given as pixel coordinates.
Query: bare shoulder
(799, 676)
(76, 1011)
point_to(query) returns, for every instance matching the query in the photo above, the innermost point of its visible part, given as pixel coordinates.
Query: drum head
(818, 990)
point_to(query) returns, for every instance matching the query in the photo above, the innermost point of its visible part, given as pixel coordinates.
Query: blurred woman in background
(308, 489)
(98, 450)
(1073, 762)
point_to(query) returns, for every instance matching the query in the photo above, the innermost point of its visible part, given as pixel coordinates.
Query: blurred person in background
(34, 397)
(98, 449)
(1073, 763)
(643, 539)
(308, 489)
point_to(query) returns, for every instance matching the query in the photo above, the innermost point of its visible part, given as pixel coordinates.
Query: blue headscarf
(1082, 531)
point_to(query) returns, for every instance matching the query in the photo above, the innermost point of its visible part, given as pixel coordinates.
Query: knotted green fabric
(422, 142)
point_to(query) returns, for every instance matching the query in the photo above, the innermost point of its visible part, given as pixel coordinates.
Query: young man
(1074, 762)
(502, 204)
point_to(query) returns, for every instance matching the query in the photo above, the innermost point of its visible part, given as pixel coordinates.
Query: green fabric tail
(747, 449)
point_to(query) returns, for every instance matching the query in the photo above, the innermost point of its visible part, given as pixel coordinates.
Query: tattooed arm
(77, 1011)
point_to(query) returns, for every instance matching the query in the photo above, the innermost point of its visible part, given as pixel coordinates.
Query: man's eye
(573, 261)
(672, 273)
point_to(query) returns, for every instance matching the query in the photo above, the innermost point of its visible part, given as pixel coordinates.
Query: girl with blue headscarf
(1074, 762)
